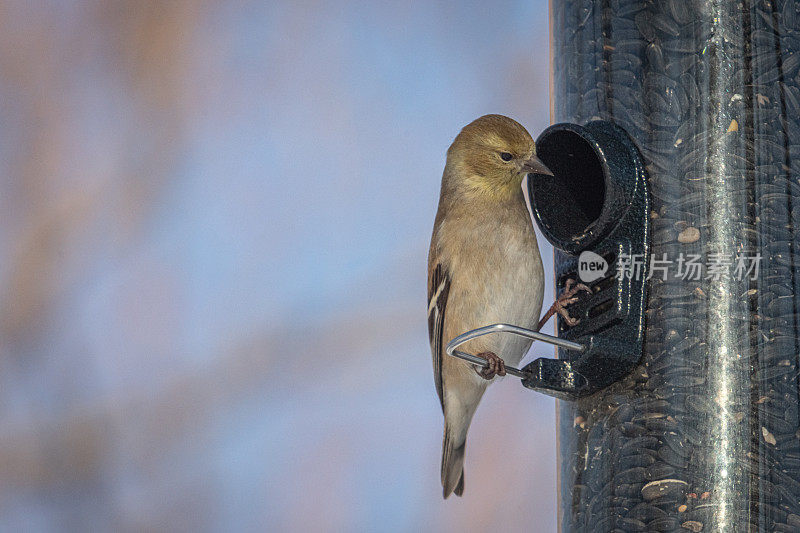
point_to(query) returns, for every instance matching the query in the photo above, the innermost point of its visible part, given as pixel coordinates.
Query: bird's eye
(505, 156)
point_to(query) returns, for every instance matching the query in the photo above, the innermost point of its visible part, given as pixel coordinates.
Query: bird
(484, 267)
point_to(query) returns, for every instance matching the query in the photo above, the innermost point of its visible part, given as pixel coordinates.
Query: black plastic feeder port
(597, 201)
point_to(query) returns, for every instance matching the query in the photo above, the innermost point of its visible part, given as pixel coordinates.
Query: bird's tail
(453, 461)
(458, 415)
(459, 405)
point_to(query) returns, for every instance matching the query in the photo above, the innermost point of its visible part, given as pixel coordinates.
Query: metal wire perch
(506, 328)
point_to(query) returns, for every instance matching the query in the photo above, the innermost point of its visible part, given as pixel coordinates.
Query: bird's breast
(499, 279)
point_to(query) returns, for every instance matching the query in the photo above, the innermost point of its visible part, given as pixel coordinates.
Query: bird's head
(491, 156)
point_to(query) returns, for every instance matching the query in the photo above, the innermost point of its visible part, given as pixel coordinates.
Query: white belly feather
(507, 289)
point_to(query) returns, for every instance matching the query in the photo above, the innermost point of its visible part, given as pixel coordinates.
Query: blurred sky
(214, 221)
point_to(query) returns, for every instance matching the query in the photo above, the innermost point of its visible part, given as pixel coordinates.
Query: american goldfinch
(484, 267)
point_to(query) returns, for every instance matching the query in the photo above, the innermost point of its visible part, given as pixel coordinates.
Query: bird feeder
(594, 209)
(701, 434)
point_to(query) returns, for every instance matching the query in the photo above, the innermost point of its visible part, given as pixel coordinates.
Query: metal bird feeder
(595, 207)
(702, 434)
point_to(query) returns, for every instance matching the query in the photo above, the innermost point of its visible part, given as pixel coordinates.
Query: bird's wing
(438, 289)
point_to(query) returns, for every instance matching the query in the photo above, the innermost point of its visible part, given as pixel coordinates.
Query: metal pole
(703, 436)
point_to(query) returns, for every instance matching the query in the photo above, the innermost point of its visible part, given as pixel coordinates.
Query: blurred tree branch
(68, 176)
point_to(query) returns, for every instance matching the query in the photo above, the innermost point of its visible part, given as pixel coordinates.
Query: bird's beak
(534, 165)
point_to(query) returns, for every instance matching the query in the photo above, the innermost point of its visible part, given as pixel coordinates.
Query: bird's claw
(571, 288)
(568, 297)
(496, 366)
(568, 319)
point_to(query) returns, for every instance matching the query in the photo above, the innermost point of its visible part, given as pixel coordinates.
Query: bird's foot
(568, 297)
(559, 307)
(571, 289)
(496, 366)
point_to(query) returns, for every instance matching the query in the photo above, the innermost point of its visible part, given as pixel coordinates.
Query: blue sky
(253, 333)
